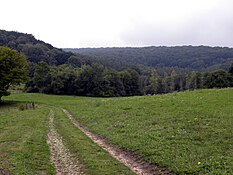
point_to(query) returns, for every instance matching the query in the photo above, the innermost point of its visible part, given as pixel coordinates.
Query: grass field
(23, 147)
(188, 132)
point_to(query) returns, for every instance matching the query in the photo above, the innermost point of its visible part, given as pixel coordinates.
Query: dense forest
(55, 71)
(191, 58)
(37, 50)
(98, 80)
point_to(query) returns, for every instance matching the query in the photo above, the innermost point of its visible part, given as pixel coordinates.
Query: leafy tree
(113, 85)
(63, 80)
(13, 69)
(167, 82)
(195, 81)
(182, 82)
(231, 69)
(218, 79)
(130, 79)
(83, 81)
(153, 86)
(75, 61)
(174, 81)
(97, 80)
(42, 77)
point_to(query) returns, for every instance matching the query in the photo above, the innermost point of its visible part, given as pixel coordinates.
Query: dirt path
(135, 163)
(63, 161)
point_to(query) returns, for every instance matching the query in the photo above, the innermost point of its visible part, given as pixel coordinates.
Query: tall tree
(166, 82)
(113, 85)
(153, 85)
(42, 77)
(195, 81)
(13, 69)
(218, 79)
(231, 69)
(130, 79)
(174, 81)
(63, 80)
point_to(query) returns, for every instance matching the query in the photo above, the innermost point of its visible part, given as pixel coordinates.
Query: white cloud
(88, 23)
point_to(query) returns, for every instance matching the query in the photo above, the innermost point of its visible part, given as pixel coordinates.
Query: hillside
(37, 50)
(198, 58)
(186, 58)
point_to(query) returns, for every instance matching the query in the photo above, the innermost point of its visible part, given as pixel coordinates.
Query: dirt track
(135, 163)
(64, 162)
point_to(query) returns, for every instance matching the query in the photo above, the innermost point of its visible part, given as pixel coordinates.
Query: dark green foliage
(90, 80)
(76, 60)
(218, 79)
(98, 80)
(194, 58)
(37, 50)
(42, 77)
(153, 83)
(13, 69)
(63, 80)
(195, 81)
(113, 85)
(130, 80)
(231, 69)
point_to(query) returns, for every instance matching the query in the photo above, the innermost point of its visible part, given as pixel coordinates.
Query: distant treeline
(190, 58)
(98, 80)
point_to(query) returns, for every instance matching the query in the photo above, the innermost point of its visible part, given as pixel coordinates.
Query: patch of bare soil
(135, 162)
(4, 172)
(64, 162)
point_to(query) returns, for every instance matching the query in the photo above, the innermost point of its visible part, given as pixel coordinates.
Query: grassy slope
(189, 132)
(23, 147)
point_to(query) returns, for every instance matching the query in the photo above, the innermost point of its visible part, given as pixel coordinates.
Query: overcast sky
(108, 23)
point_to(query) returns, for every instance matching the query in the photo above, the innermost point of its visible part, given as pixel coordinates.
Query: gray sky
(108, 23)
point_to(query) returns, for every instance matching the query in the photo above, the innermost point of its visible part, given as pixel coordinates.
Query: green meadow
(23, 135)
(187, 132)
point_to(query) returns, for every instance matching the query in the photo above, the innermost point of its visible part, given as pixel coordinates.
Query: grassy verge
(95, 160)
(188, 133)
(23, 147)
(9, 107)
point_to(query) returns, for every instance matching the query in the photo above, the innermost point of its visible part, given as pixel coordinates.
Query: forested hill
(111, 72)
(198, 58)
(37, 50)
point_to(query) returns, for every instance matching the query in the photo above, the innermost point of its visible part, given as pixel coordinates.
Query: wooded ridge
(120, 71)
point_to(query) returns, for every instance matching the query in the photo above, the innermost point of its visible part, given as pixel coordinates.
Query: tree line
(191, 58)
(97, 80)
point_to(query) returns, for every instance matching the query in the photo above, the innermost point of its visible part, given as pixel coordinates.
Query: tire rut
(63, 160)
(134, 162)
